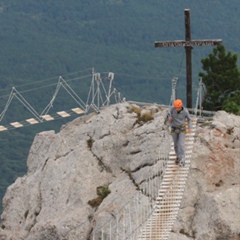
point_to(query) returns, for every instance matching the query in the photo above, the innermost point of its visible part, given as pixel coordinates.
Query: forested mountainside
(46, 38)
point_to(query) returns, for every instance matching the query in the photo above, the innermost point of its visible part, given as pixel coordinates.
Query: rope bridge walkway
(170, 194)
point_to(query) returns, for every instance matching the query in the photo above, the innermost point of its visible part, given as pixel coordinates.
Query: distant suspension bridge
(101, 94)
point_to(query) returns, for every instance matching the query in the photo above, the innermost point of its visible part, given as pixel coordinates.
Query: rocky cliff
(80, 176)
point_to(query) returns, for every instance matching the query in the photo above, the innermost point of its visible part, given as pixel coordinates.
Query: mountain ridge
(119, 150)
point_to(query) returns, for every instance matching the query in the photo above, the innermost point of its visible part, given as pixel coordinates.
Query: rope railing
(129, 220)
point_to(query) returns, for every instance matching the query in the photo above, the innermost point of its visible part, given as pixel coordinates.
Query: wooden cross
(188, 44)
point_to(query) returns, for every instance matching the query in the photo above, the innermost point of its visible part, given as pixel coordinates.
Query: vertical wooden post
(188, 50)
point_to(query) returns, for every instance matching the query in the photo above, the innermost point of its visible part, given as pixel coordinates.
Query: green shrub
(102, 192)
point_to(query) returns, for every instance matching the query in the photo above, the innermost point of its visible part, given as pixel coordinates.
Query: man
(177, 117)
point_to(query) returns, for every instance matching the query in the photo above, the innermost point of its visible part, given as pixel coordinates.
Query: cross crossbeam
(192, 43)
(188, 44)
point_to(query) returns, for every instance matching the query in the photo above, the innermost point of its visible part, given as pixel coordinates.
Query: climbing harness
(178, 129)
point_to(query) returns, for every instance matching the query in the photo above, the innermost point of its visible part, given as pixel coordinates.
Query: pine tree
(222, 81)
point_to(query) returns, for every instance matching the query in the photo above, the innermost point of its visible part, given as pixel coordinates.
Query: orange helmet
(177, 103)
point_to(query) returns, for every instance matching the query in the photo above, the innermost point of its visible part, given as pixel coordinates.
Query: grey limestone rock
(117, 149)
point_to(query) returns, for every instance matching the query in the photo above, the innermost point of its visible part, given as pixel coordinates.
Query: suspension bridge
(151, 213)
(101, 94)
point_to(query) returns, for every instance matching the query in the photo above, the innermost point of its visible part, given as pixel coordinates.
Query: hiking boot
(177, 160)
(182, 163)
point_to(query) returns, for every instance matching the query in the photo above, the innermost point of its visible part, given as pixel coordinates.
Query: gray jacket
(179, 118)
